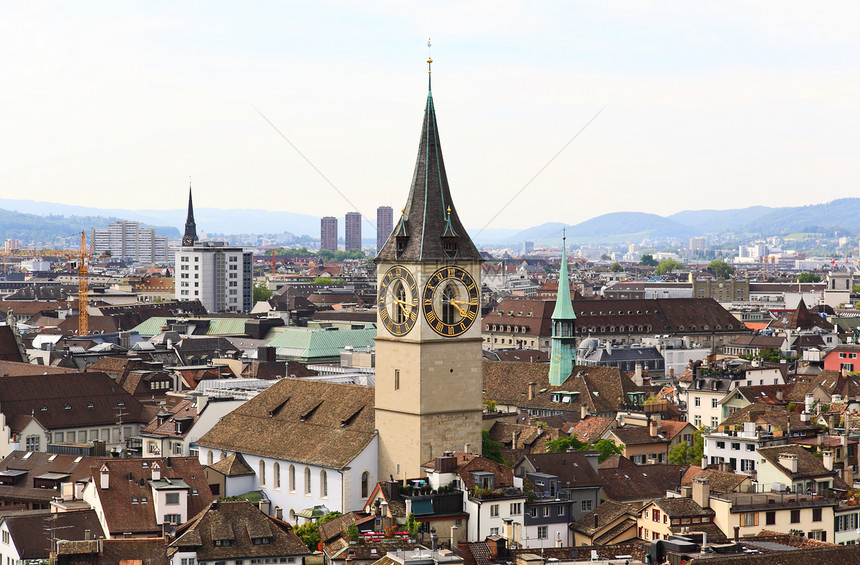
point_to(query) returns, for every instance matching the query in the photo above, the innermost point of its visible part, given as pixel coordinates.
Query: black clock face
(187, 240)
(398, 301)
(451, 301)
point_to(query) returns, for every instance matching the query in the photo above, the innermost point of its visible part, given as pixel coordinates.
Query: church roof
(563, 307)
(429, 218)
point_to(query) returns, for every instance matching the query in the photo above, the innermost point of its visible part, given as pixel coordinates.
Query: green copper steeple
(563, 354)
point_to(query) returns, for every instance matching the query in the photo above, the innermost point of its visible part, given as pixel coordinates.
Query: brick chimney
(653, 427)
(532, 390)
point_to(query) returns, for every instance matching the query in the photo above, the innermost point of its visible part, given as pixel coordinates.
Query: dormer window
(450, 247)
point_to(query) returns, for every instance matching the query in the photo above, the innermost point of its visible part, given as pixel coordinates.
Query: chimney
(583, 411)
(702, 491)
(105, 477)
(156, 472)
(809, 400)
(467, 448)
(514, 435)
(704, 463)
(827, 459)
(593, 458)
(737, 533)
(779, 395)
(789, 461)
(652, 427)
(844, 371)
(454, 541)
(532, 390)
(637, 375)
(671, 372)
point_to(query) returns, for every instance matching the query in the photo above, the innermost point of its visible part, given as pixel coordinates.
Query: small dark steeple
(429, 228)
(190, 236)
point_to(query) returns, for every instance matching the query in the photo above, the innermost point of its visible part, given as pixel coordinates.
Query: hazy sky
(708, 104)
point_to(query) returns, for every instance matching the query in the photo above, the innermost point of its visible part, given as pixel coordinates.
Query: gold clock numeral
(463, 326)
(413, 315)
(450, 330)
(471, 314)
(431, 317)
(439, 326)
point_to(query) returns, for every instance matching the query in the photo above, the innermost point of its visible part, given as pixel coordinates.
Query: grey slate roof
(426, 218)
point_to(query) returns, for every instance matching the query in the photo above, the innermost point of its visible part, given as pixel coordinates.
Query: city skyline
(706, 106)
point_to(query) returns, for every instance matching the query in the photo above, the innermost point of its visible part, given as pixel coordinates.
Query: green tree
(721, 268)
(261, 292)
(616, 267)
(562, 444)
(667, 266)
(326, 280)
(808, 278)
(605, 257)
(309, 533)
(607, 448)
(492, 450)
(685, 454)
(412, 526)
(648, 260)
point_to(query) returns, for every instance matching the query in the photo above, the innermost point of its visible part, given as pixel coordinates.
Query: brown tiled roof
(830, 555)
(535, 315)
(599, 387)
(146, 551)
(184, 410)
(234, 465)
(637, 435)
(721, 481)
(336, 526)
(60, 401)
(8, 346)
(662, 315)
(320, 423)
(571, 468)
(470, 462)
(11, 368)
(242, 522)
(766, 394)
(129, 479)
(592, 428)
(31, 533)
(767, 414)
(38, 463)
(808, 465)
(624, 481)
(607, 512)
(681, 507)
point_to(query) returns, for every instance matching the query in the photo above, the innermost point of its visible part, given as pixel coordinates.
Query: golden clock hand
(455, 303)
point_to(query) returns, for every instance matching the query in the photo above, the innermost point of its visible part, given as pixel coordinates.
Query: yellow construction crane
(81, 258)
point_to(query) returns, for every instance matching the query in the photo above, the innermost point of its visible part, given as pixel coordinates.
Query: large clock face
(451, 301)
(187, 240)
(398, 300)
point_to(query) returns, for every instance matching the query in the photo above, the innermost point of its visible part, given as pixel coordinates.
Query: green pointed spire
(563, 307)
(563, 354)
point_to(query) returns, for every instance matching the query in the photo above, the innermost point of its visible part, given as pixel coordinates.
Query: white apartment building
(220, 277)
(127, 240)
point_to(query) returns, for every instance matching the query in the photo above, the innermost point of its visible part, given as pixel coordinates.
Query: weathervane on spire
(429, 63)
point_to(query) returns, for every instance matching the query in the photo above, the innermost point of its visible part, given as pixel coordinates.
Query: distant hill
(839, 215)
(51, 228)
(29, 222)
(721, 221)
(616, 227)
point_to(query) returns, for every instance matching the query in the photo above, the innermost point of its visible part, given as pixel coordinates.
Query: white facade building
(220, 277)
(127, 240)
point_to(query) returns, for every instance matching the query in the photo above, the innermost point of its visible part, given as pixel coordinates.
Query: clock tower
(428, 343)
